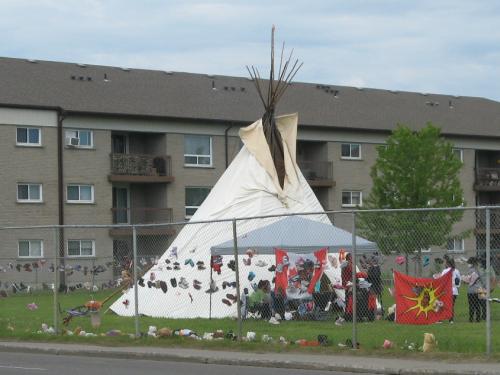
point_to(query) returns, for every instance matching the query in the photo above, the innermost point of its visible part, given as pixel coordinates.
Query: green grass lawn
(460, 340)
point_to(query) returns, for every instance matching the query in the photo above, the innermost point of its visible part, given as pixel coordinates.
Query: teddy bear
(430, 342)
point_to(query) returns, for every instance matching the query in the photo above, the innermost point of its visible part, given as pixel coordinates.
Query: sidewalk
(357, 364)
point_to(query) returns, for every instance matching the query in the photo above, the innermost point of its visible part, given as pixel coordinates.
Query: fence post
(55, 307)
(136, 289)
(354, 287)
(237, 270)
(488, 265)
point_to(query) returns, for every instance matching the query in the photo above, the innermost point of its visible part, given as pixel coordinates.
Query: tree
(413, 170)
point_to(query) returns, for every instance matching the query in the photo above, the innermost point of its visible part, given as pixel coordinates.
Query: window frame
(350, 157)
(80, 248)
(77, 131)
(18, 200)
(191, 207)
(351, 204)
(30, 256)
(80, 201)
(28, 143)
(460, 152)
(198, 156)
(455, 250)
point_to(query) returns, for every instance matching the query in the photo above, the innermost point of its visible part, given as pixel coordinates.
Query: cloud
(444, 47)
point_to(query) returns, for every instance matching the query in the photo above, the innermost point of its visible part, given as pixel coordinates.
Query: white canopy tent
(295, 234)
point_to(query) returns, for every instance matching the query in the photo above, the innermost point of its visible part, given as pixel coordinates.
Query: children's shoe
(163, 286)
(201, 265)
(225, 301)
(261, 263)
(213, 287)
(251, 276)
(183, 283)
(272, 268)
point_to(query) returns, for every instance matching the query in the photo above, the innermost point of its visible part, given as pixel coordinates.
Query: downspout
(61, 115)
(226, 152)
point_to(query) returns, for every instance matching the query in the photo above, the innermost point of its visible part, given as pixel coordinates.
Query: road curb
(205, 359)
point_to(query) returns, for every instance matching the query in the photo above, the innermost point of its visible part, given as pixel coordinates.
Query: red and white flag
(298, 274)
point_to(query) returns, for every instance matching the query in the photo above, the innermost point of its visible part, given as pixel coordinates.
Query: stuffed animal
(430, 342)
(387, 344)
(165, 332)
(152, 331)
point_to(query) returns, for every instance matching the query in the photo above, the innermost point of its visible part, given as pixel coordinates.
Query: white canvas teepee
(249, 187)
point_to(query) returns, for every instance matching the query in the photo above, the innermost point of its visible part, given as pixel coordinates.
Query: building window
(351, 151)
(456, 245)
(28, 137)
(81, 248)
(30, 248)
(30, 193)
(198, 150)
(194, 198)
(459, 153)
(80, 194)
(79, 138)
(352, 198)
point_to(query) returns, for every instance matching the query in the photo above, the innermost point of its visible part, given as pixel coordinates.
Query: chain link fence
(370, 280)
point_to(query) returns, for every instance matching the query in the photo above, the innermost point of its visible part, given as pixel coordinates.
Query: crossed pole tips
(270, 97)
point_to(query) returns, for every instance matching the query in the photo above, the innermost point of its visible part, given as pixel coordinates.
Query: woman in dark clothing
(375, 278)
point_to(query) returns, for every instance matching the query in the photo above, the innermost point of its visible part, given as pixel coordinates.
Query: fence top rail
(235, 219)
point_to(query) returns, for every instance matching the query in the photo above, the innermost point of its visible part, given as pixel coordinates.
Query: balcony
(317, 173)
(487, 179)
(142, 216)
(138, 168)
(494, 221)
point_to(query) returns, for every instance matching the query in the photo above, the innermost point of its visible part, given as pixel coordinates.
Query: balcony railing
(140, 165)
(481, 219)
(487, 179)
(319, 172)
(141, 215)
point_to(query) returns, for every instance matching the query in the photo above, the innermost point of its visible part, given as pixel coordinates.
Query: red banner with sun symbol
(423, 301)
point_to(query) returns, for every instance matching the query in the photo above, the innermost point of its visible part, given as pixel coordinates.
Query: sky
(445, 46)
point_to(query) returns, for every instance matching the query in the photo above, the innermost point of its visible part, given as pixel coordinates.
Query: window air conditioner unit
(71, 141)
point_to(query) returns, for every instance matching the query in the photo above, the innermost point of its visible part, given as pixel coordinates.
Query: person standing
(456, 281)
(473, 278)
(375, 278)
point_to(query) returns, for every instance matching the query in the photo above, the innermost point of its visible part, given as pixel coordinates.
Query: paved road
(45, 364)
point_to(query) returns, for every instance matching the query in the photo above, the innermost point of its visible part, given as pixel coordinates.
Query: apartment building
(85, 144)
